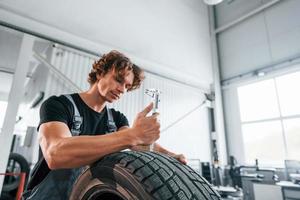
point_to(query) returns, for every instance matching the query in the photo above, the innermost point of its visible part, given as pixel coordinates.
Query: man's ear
(98, 76)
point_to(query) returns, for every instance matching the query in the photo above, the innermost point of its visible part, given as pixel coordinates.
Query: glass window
(288, 91)
(270, 115)
(258, 101)
(292, 131)
(263, 141)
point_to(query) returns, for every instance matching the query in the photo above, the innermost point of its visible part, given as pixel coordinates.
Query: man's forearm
(78, 151)
(157, 148)
(160, 149)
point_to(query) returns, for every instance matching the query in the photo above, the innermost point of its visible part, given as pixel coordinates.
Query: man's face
(111, 88)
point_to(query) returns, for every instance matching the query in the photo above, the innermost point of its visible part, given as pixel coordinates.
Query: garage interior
(228, 75)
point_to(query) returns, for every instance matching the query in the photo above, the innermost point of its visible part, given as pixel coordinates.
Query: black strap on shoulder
(110, 121)
(77, 119)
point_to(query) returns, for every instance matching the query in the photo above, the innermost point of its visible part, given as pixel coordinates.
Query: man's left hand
(181, 158)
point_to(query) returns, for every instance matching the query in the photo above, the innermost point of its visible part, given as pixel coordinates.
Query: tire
(11, 183)
(139, 176)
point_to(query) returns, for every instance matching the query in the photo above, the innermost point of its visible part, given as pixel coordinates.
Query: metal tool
(154, 94)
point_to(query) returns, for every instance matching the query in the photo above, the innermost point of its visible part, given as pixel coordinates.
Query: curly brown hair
(139, 76)
(119, 63)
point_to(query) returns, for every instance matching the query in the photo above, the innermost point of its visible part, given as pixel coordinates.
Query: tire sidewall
(112, 178)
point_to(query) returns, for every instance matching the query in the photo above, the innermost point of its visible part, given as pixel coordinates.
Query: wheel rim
(12, 182)
(102, 193)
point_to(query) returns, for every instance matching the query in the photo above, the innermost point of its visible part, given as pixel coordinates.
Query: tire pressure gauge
(154, 94)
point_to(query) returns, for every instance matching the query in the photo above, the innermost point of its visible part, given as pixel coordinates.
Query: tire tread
(164, 177)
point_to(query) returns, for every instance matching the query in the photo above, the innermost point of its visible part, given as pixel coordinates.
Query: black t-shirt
(62, 110)
(94, 123)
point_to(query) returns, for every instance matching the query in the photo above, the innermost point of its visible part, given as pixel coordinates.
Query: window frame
(281, 118)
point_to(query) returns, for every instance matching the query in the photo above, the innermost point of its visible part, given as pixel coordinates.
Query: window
(270, 119)
(263, 141)
(292, 131)
(289, 96)
(256, 101)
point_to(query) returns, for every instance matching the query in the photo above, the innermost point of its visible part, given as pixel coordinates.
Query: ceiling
(168, 37)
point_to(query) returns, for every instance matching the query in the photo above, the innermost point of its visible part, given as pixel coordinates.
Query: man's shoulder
(118, 115)
(116, 112)
(58, 101)
(61, 98)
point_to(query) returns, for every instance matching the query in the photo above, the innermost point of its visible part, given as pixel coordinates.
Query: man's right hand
(145, 129)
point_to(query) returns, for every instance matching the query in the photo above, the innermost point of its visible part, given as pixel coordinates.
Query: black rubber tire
(141, 175)
(12, 187)
(6, 196)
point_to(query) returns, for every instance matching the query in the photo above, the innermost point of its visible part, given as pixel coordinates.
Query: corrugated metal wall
(73, 65)
(190, 136)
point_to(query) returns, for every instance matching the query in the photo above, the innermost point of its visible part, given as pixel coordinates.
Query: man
(111, 76)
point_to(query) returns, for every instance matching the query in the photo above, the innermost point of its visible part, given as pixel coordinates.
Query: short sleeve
(54, 110)
(120, 119)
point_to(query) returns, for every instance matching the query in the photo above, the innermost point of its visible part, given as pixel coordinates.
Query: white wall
(270, 37)
(6, 81)
(10, 43)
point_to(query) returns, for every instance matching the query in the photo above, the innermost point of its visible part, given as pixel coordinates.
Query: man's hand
(145, 129)
(181, 158)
